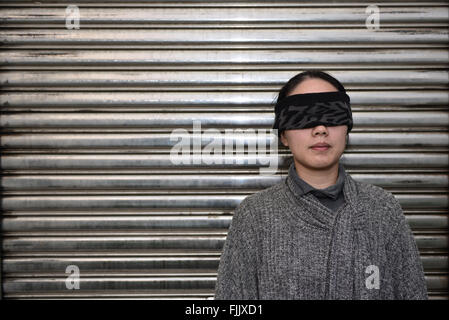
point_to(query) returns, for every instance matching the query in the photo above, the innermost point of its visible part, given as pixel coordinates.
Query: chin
(319, 164)
(323, 165)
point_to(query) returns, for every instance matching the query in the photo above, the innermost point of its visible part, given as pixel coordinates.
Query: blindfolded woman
(319, 234)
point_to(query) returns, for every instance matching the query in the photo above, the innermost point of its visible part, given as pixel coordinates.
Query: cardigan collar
(300, 187)
(312, 210)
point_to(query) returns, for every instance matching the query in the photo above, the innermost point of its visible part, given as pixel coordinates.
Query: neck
(318, 178)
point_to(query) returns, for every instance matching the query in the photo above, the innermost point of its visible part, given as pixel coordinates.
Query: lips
(320, 146)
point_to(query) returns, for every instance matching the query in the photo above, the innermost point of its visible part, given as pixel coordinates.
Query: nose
(320, 130)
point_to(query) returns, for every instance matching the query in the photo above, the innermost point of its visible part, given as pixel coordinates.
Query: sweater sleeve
(409, 282)
(237, 271)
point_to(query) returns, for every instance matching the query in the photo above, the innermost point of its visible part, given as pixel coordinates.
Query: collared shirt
(332, 196)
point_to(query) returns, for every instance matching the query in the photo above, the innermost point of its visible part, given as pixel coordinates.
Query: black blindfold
(308, 110)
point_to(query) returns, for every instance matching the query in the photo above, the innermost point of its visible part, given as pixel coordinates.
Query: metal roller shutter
(87, 114)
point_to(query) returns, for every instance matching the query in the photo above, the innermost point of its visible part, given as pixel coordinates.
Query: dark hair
(309, 74)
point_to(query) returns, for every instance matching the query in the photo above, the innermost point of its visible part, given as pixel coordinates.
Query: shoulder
(264, 198)
(257, 205)
(380, 203)
(370, 190)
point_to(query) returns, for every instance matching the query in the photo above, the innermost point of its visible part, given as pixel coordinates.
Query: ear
(284, 139)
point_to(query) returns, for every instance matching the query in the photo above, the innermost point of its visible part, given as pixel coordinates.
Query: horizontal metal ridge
(248, 122)
(220, 3)
(128, 264)
(119, 224)
(118, 253)
(130, 275)
(254, 59)
(100, 283)
(360, 37)
(149, 161)
(213, 201)
(257, 16)
(116, 274)
(183, 180)
(117, 294)
(404, 192)
(128, 223)
(434, 282)
(146, 295)
(210, 242)
(209, 80)
(113, 233)
(145, 253)
(234, 136)
(162, 264)
(133, 212)
(390, 14)
(64, 100)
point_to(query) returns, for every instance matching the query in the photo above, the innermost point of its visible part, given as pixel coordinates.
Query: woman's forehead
(312, 85)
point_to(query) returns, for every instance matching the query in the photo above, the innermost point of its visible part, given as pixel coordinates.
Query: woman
(319, 234)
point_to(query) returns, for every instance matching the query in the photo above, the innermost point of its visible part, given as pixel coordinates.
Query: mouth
(321, 146)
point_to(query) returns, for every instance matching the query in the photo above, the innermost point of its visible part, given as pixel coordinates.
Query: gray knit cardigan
(282, 245)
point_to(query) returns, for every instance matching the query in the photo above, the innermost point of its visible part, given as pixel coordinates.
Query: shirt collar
(303, 187)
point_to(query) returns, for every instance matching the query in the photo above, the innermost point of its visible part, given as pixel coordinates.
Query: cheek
(298, 145)
(297, 140)
(339, 131)
(338, 137)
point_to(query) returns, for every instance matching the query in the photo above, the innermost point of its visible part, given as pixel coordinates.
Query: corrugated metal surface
(87, 116)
